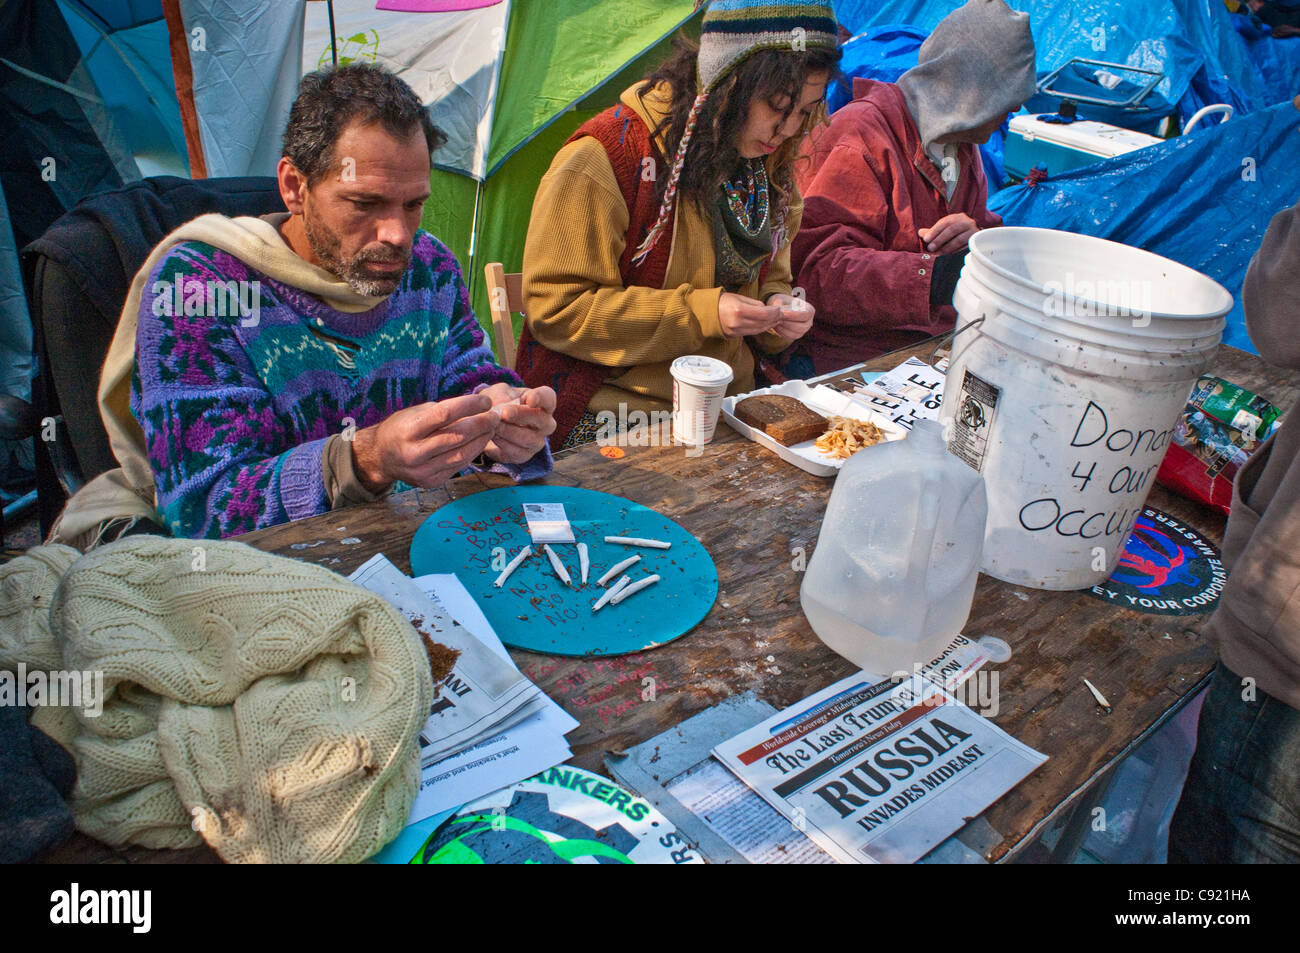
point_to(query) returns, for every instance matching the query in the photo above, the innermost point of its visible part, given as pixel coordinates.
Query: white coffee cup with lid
(699, 385)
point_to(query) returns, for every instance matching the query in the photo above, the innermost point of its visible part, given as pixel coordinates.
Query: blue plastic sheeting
(887, 52)
(882, 53)
(993, 154)
(1194, 42)
(1231, 72)
(1204, 199)
(1277, 61)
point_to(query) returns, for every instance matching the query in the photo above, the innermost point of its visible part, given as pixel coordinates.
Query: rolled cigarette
(615, 570)
(583, 563)
(611, 592)
(629, 590)
(557, 565)
(513, 565)
(637, 541)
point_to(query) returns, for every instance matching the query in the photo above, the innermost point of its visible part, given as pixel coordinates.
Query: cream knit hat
(265, 705)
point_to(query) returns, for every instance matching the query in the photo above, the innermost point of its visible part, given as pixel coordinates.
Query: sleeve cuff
(342, 486)
(703, 303)
(299, 474)
(539, 466)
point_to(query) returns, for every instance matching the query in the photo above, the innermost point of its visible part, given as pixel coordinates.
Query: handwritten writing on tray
(475, 536)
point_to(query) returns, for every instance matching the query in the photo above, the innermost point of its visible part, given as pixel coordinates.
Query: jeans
(798, 366)
(1241, 802)
(1276, 15)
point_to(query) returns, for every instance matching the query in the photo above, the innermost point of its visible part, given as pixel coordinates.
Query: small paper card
(547, 523)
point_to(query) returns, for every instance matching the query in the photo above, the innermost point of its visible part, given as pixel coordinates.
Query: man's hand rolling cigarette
(428, 444)
(525, 419)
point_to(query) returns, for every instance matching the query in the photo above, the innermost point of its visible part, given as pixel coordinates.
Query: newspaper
(754, 828)
(481, 697)
(521, 751)
(877, 771)
(910, 392)
(742, 818)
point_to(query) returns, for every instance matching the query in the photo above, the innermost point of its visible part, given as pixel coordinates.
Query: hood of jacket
(976, 66)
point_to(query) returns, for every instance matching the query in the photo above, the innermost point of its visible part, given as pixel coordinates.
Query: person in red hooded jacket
(895, 189)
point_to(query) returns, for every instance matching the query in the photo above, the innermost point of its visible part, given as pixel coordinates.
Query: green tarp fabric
(561, 66)
(556, 54)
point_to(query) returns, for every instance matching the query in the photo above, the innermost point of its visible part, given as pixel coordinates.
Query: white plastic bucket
(1066, 392)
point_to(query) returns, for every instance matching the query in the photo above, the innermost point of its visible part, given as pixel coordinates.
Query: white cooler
(1060, 148)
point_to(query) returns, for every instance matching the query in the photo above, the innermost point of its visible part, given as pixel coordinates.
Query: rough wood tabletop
(755, 515)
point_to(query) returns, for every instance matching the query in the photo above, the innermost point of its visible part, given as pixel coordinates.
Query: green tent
(508, 80)
(564, 61)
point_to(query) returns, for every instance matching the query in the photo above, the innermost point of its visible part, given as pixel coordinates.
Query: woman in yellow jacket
(632, 260)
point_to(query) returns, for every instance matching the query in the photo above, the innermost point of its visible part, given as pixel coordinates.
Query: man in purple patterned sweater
(326, 356)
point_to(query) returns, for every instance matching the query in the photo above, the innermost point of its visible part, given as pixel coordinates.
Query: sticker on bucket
(977, 405)
(1167, 568)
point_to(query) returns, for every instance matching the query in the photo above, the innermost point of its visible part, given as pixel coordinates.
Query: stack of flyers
(910, 392)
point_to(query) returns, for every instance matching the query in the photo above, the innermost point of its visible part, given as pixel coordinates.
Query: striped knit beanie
(732, 30)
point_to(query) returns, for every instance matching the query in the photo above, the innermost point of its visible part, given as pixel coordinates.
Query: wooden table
(755, 514)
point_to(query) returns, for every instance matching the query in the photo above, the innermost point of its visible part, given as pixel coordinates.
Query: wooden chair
(505, 296)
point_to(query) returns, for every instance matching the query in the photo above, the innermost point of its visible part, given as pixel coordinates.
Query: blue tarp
(1203, 199)
(1277, 61)
(885, 53)
(1194, 42)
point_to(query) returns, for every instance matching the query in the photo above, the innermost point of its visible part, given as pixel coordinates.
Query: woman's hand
(741, 316)
(796, 316)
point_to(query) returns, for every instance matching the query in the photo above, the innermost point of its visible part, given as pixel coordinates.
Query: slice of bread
(784, 419)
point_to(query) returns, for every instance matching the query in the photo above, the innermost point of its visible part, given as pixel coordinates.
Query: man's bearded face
(361, 220)
(375, 270)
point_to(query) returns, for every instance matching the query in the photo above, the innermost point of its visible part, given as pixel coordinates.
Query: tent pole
(334, 43)
(474, 273)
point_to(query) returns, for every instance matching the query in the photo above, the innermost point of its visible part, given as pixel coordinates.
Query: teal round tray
(537, 612)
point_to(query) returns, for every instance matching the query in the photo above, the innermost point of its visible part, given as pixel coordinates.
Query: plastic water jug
(891, 581)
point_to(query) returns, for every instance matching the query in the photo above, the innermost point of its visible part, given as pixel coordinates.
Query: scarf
(742, 226)
(120, 498)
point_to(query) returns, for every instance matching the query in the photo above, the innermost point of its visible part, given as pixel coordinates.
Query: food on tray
(847, 436)
(784, 419)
